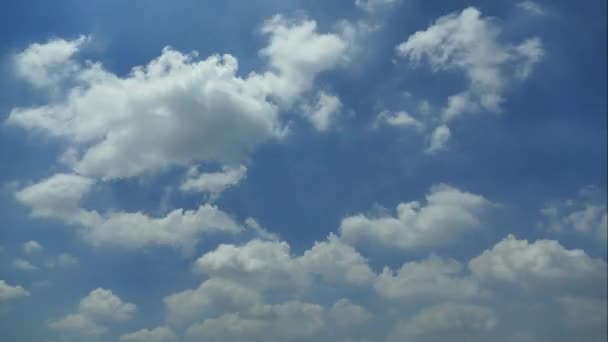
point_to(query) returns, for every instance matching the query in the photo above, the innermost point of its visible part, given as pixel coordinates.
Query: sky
(348, 170)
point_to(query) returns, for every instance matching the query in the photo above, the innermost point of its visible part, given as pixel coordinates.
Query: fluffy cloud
(212, 298)
(439, 139)
(585, 214)
(24, 265)
(59, 195)
(469, 43)
(47, 64)
(78, 324)
(30, 247)
(98, 307)
(177, 109)
(160, 334)
(8, 292)
(270, 264)
(213, 183)
(375, 5)
(322, 114)
(289, 321)
(62, 260)
(451, 319)
(540, 264)
(531, 7)
(346, 314)
(297, 53)
(433, 277)
(448, 213)
(102, 303)
(401, 118)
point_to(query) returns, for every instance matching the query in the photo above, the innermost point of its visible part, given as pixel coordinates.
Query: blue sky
(359, 170)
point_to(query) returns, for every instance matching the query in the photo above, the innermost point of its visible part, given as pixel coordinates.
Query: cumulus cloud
(450, 319)
(447, 214)
(270, 264)
(531, 7)
(95, 310)
(439, 139)
(24, 265)
(212, 298)
(213, 183)
(31, 247)
(9, 292)
(346, 314)
(288, 321)
(59, 195)
(540, 264)
(177, 109)
(375, 5)
(586, 214)
(469, 43)
(258, 291)
(160, 334)
(78, 324)
(433, 277)
(63, 260)
(323, 112)
(400, 118)
(47, 64)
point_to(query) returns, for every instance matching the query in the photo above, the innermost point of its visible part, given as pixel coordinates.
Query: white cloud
(62, 260)
(322, 114)
(102, 303)
(31, 247)
(97, 308)
(288, 321)
(213, 183)
(446, 318)
(78, 324)
(260, 263)
(8, 292)
(212, 298)
(375, 5)
(160, 334)
(346, 314)
(177, 109)
(448, 213)
(24, 265)
(439, 139)
(297, 53)
(541, 264)
(268, 264)
(469, 43)
(531, 7)
(49, 63)
(58, 197)
(401, 118)
(586, 214)
(432, 278)
(336, 262)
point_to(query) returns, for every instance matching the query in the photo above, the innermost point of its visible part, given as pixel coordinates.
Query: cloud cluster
(469, 43)
(59, 197)
(447, 214)
(586, 214)
(9, 292)
(98, 308)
